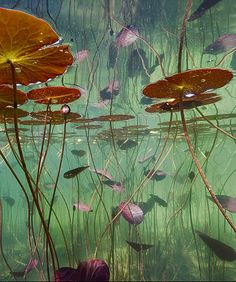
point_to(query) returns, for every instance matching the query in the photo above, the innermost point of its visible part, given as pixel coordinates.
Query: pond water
(117, 178)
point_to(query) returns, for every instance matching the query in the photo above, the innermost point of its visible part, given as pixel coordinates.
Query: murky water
(130, 156)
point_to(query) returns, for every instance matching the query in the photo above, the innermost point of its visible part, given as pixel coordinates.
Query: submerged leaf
(139, 247)
(221, 250)
(132, 213)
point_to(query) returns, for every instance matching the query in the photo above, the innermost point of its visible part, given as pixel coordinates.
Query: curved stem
(199, 168)
(24, 168)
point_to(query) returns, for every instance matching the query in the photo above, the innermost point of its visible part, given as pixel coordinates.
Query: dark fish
(233, 61)
(113, 55)
(137, 64)
(138, 247)
(125, 144)
(158, 175)
(146, 101)
(159, 200)
(127, 36)
(73, 172)
(221, 250)
(227, 202)
(78, 153)
(222, 44)
(205, 5)
(110, 91)
(9, 200)
(191, 176)
(115, 185)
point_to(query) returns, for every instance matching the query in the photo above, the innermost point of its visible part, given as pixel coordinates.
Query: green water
(177, 254)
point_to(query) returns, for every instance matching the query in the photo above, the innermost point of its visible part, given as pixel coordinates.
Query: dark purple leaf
(93, 270)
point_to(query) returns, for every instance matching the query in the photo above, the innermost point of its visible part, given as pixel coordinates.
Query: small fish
(9, 200)
(110, 91)
(191, 175)
(158, 175)
(127, 36)
(204, 6)
(74, 172)
(125, 144)
(139, 247)
(82, 55)
(222, 44)
(221, 250)
(78, 153)
(146, 100)
(113, 55)
(159, 200)
(227, 202)
(102, 172)
(115, 185)
(83, 207)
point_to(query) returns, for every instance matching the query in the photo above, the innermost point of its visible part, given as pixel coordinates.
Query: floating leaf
(186, 83)
(65, 274)
(113, 118)
(54, 117)
(9, 113)
(177, 105)
(7, 96)
(27, 44)
(131, 212)
(54, 95)
(221, 250)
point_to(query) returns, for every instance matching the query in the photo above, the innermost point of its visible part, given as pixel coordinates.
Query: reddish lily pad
(184, 83)
(54, 117)
(7, 96)
(177, 105)
(113, 118)
(10, 112)
(27, 45)
(54, 95)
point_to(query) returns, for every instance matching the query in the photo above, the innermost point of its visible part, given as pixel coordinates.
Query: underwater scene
(117, 140)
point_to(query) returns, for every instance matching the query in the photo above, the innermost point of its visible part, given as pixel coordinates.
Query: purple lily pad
(132, 213)
(90, 270)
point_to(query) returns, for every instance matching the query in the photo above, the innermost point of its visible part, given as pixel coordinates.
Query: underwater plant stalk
(24, 168)
(187, 137)
(1, 247)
